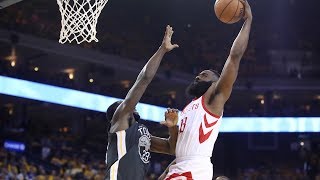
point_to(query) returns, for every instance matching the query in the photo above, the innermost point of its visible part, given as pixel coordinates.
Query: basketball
(229, 11)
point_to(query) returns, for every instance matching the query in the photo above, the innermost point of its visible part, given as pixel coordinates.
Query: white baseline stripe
(95, 102)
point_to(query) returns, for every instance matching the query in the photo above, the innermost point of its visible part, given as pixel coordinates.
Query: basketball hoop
(79, 19)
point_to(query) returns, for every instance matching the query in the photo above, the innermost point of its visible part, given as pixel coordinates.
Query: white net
(79, 19)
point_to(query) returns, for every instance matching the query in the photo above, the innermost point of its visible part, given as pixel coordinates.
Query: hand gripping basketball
(229, 11)
(247, 9)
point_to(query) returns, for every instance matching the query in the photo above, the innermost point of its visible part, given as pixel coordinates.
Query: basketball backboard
(6, 3)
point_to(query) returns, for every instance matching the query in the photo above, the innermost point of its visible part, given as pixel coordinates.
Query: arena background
(278, 77)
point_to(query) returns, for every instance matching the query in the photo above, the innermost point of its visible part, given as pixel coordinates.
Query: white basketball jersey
(198, 130)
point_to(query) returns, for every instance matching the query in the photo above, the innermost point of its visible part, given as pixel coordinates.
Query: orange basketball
(229, 11)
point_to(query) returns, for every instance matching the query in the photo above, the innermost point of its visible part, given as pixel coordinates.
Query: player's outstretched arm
(230, 70)
(163, 145)
(145, 77)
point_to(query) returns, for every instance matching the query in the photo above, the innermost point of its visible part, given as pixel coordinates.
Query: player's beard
(198, 88)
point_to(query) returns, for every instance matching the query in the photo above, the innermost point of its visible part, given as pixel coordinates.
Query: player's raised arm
(145, 77)
(163, 145)
(230, 70)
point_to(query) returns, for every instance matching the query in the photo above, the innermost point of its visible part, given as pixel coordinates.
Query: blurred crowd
(58, 157)
(201, 47)
(54, 164)
(22, 167)
(50, 158)
(63, 154)
(133, 43)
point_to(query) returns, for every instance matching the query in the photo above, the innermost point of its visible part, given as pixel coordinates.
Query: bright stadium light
(71, 75)
(13, 63)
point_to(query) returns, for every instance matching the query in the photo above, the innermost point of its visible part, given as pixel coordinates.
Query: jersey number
(183, 124)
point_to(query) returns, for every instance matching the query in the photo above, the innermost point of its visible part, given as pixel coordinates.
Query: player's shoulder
(136, 127)
(140, 125)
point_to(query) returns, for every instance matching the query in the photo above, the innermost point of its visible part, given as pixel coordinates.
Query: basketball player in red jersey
(201, 119)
